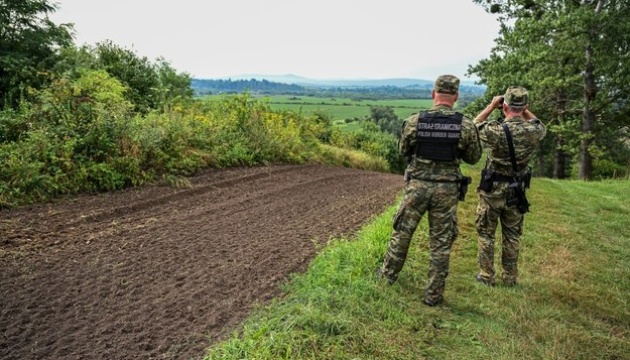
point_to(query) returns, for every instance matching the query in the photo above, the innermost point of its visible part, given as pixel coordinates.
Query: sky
(318, 39)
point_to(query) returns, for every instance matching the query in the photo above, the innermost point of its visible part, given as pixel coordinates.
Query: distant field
(340, 108)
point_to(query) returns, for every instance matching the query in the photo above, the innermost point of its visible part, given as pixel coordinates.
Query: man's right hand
(494, 104)
(497, 102)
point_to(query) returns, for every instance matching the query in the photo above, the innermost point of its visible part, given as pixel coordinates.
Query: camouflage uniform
(431, 186)
(492, 206)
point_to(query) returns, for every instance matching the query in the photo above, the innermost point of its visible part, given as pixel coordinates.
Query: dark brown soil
(162, 272)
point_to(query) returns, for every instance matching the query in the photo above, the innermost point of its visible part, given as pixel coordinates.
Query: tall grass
(571, 301)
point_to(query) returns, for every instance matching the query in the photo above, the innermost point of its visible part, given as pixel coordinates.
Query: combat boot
(483, 280)
(380, 275)
(433, 302)
(509, 281)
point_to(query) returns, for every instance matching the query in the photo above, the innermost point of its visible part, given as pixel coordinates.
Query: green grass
(348, 127)
(571, 301)
(341, 108)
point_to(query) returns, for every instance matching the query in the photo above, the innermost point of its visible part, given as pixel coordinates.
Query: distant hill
(303, 81)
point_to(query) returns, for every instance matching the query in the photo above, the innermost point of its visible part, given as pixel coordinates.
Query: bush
(81, 136)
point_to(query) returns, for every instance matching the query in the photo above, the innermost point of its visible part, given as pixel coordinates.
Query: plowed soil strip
(160, 272)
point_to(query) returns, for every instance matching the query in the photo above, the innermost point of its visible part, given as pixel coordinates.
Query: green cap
(516, 96)
(446, 84)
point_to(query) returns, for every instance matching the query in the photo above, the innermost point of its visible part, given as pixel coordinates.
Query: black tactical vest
(437, 136)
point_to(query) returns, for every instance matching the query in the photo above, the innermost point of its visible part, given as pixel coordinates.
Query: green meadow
(340, 109)
(572, 300)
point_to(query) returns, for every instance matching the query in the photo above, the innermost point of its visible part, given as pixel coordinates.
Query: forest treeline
(468, 93)
(573, 57)
(101, 117)
(265, 87)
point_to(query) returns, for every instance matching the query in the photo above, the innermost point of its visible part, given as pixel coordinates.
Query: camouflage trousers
(492, 209)
(440, 200)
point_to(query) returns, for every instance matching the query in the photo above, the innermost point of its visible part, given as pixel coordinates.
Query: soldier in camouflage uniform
(526, 131)
(434, 142)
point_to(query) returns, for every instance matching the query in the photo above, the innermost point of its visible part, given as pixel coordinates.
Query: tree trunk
(560, 156)
(590, 90)
(560, 161)
(588, 119)
(541, 161)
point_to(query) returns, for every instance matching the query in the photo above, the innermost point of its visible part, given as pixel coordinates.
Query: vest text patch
(437, 136)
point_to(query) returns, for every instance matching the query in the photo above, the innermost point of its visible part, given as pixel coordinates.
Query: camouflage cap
(446, 84)
(516, 96)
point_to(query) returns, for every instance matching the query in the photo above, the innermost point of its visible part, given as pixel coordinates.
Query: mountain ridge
(336, 82)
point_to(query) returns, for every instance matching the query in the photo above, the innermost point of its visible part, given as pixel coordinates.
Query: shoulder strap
(508, 135)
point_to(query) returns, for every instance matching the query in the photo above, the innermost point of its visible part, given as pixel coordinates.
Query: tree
(29, 44)
(150, 85)
(386, 119)
(173, 85)
(575, 55)
(138, 73)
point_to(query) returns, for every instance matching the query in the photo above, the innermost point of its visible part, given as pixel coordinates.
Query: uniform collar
(519, 118)
(441, 107)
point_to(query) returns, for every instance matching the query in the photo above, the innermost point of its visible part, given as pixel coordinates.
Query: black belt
(502, 178)
(436, 180)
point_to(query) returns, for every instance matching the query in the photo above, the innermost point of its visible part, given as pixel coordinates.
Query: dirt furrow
(158, 272)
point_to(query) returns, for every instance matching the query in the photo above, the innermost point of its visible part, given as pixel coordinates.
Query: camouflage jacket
(468, 149)
(525, 135)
